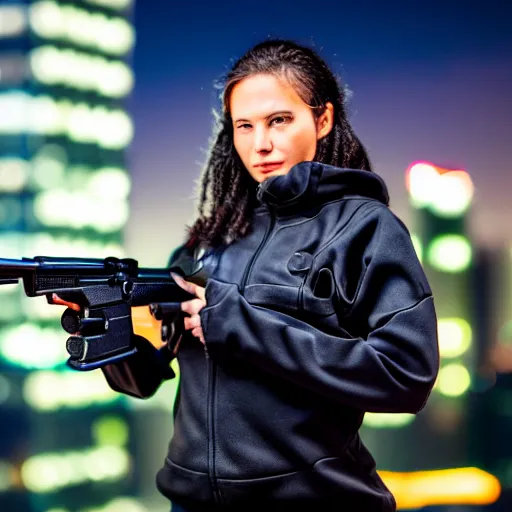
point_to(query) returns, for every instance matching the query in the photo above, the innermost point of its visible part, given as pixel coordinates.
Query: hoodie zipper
(211, 375)
(248, 269)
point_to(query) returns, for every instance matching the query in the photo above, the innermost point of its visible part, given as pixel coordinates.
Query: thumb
(188, 287)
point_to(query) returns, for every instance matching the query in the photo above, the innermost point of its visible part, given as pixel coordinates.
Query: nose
(262, 140)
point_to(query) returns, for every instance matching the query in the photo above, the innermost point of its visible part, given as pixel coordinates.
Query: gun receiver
(105, 290)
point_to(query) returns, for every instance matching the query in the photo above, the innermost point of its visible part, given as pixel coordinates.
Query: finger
(201, 293)
(192, 322)
(189, 287)
(198, 333)
(57, 300)
(192, 307)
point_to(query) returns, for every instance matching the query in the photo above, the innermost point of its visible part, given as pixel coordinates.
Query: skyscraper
(64, 186)
(434, 451)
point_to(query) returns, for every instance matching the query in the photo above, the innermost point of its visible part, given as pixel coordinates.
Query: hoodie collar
(310, 184)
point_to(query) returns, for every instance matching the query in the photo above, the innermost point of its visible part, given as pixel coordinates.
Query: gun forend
(105, 290)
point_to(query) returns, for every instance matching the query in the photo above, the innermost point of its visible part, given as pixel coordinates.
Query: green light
(455, 337)
(110, 430)
(418, 246)
(387, 420)
(450, 253)
(453, 380)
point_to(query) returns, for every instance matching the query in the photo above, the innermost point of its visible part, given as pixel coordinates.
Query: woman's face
(273, 128)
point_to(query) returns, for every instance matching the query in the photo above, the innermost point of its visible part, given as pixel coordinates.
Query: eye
(280, 120)
(243, 126)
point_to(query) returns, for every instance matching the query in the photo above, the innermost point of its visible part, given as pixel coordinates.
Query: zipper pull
(259, 193)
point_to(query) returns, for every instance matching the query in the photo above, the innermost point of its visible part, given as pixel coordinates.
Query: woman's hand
(192, 307)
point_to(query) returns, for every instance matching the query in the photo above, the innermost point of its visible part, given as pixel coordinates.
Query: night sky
(429, 80)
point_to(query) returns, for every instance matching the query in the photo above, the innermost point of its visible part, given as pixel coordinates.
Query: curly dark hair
(228, 192)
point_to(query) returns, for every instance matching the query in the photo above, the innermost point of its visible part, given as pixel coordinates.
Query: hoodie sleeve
(391, 369)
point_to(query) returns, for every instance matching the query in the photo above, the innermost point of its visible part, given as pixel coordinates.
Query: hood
(310, 184)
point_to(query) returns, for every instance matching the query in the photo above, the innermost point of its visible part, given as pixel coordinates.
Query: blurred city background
(105, 117)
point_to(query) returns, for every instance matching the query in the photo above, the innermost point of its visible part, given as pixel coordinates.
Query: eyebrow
(281, 112)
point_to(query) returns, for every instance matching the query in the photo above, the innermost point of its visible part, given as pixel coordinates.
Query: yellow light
(109, 128)
(60, 208)
(387, 420)
(48, 167)
(450, 253)
(31, 346)
(114, 128)
(50, 390)
(13, 174)
(13, 20)
(455, 337)
(13, 106)
(44, 243)
(51, 65)
(119, 5)
(107, 463)
(446, 192)
(110, 183)
(121, 504)
(422, 183)
(460, 486)
(454, 194)
(453, 380)
(68, 23)
(44, 115)
(50, 472)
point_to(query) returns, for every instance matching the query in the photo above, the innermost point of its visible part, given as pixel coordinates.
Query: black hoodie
(321, 313)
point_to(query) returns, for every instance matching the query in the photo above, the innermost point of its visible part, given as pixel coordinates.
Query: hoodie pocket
(319, 293)
(330, 483)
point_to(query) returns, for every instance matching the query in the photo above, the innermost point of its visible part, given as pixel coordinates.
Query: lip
(268, 166)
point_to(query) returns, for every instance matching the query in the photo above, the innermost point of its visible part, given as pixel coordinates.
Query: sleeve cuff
(216, 293)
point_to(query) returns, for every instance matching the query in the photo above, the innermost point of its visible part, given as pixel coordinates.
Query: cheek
(304, 144)
(240, 147)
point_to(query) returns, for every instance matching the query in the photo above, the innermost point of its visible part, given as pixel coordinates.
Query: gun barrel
(8, 281)
(151, 274)
(11, 270)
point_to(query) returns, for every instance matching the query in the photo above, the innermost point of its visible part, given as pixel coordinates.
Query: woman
(316, 309)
